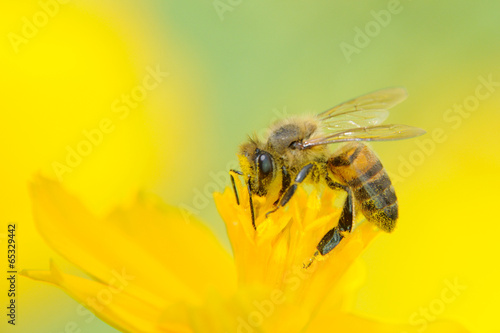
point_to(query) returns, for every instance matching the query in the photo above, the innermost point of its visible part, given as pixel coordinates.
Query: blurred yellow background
(111, 97)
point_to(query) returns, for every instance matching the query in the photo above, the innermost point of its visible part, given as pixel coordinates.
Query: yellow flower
(155, 268)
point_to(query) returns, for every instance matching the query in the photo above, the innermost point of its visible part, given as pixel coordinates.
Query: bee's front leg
(231, 172)
(303, 173)
(285, 184)
(252, 212)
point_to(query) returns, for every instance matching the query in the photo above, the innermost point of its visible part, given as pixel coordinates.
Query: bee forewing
(353, 119)
(377, 100)
(371, 133)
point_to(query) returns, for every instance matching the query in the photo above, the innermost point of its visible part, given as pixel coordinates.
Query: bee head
(258, 166)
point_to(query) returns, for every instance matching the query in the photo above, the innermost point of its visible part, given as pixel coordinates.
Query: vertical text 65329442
(11, 273)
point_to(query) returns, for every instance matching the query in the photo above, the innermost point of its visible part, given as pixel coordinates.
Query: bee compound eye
(265, 164)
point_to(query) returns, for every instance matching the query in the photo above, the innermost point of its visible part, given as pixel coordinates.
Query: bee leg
(329, 241)
(285, 183)
(252, 212)
(345, 221)
(291, 190)
(231, 172)
(334, 236)
(310, 261)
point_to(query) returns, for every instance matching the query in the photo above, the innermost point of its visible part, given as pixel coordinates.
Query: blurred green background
(234, 66)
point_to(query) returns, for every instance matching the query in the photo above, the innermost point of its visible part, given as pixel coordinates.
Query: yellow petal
(180, 242)
(184, 279)
(271, 258)
(111, 303)
(103, 249)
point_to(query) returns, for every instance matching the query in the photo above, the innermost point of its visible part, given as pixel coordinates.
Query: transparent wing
(371, 133)
(364, 111)
(352, 119)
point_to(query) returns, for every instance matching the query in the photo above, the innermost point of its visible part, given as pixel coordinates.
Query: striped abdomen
(359, 168)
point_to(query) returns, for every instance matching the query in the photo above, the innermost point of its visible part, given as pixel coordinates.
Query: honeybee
(296, 149)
